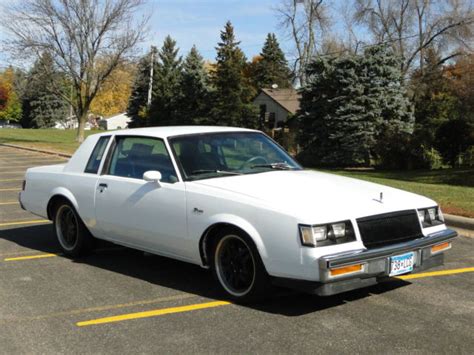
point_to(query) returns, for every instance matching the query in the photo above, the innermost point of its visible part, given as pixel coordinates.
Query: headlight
(326, 234)
(430, 217)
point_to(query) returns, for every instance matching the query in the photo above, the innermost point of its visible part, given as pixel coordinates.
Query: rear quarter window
(97, 155)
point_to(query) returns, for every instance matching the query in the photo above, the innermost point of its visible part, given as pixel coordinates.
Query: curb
(65, 155)
(459, 222)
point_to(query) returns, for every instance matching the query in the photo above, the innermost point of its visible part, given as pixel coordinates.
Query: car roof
(170, 131)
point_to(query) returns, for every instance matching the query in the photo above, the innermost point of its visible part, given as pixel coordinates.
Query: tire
(72, 235)
(238, 268)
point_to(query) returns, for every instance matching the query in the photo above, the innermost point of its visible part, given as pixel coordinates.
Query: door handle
(102, 187)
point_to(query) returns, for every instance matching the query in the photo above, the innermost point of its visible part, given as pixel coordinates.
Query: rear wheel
(71, 233)
(238, 268)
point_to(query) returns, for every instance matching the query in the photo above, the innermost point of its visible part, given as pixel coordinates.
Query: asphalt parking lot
(118, 300)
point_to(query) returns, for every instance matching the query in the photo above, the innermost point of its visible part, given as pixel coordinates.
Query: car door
(137, 213)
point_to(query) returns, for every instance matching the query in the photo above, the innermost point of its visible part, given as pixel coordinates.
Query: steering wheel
(253, 160)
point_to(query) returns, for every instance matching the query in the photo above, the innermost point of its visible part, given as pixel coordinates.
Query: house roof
(118, 116)
(289, 99)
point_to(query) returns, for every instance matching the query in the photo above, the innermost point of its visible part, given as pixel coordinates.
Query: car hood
(316, 196)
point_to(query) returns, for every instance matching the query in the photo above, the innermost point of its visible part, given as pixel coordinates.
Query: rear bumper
(375, 265)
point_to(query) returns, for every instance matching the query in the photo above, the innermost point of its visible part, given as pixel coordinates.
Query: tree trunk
(80, 127)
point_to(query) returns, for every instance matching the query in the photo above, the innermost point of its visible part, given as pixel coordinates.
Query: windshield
(203, 156)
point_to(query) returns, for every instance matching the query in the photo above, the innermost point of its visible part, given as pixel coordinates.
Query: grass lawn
(453, 189)
(57, 140)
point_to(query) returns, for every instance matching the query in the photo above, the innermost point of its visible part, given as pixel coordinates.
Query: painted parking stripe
(153, 313)
(15, 189)
(29, 257)
(102, 308)
(12, 172)
(9, 203)
(3, 180)
(15, 257)
(437, 273)
(15, 223)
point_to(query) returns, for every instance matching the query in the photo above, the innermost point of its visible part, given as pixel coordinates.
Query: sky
(199, 22)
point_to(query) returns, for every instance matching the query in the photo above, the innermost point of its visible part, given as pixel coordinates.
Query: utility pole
(150, 87)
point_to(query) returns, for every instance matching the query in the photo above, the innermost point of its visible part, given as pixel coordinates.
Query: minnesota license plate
(402, 264)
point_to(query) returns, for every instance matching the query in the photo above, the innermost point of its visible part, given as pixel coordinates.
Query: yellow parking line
(9, 203)
(29, 257)
(437, 273)
(35, 221)
(102, 308)
(3, 180)
(15, 189)
(154, 313)
(12, 172)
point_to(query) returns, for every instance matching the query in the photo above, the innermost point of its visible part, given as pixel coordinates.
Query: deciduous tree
(411, 27)
(112, 97)
(305, 22)
(78, 34)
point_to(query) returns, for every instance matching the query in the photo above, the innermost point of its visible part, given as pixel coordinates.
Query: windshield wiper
(215, 171)
(276, 166)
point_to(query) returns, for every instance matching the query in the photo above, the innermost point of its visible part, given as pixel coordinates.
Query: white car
(234, 201)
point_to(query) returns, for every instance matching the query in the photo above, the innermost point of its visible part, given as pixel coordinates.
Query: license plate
(402, 264)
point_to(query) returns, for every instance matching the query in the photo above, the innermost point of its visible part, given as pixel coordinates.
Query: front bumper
(375, 265)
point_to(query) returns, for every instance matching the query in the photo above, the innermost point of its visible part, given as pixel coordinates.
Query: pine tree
(194, 107)
(272, 67)
(348, 103)
(137, 108)
(232, 101)
(42, 105)
(166, 86)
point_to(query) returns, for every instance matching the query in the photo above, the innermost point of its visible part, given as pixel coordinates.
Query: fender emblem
(197, 210)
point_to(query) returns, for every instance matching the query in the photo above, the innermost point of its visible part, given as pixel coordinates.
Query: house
(71, 122)
(276, 105)
(119, 121)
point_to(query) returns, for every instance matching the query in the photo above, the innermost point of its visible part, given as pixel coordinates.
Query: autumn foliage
(3, 97)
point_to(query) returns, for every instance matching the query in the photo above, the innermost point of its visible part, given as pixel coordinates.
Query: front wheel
(238, 268)
(71, 233)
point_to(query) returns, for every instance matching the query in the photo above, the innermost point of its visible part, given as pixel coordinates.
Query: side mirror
(152, 176)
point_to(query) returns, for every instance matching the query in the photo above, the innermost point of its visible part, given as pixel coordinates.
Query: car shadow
(185, 277)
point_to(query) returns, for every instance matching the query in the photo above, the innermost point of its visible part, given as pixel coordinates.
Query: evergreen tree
(137, 108)
(166, 86)
(272, 67)
(232, 105)
(194, 107)
(348, 103)
(42, 105)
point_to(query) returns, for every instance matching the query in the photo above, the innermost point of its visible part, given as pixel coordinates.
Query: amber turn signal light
(346, 270)
(440, 247)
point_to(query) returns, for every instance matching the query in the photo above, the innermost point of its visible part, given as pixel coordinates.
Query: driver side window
(133, 156)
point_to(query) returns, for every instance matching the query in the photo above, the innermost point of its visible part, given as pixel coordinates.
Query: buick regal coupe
(233, 201)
